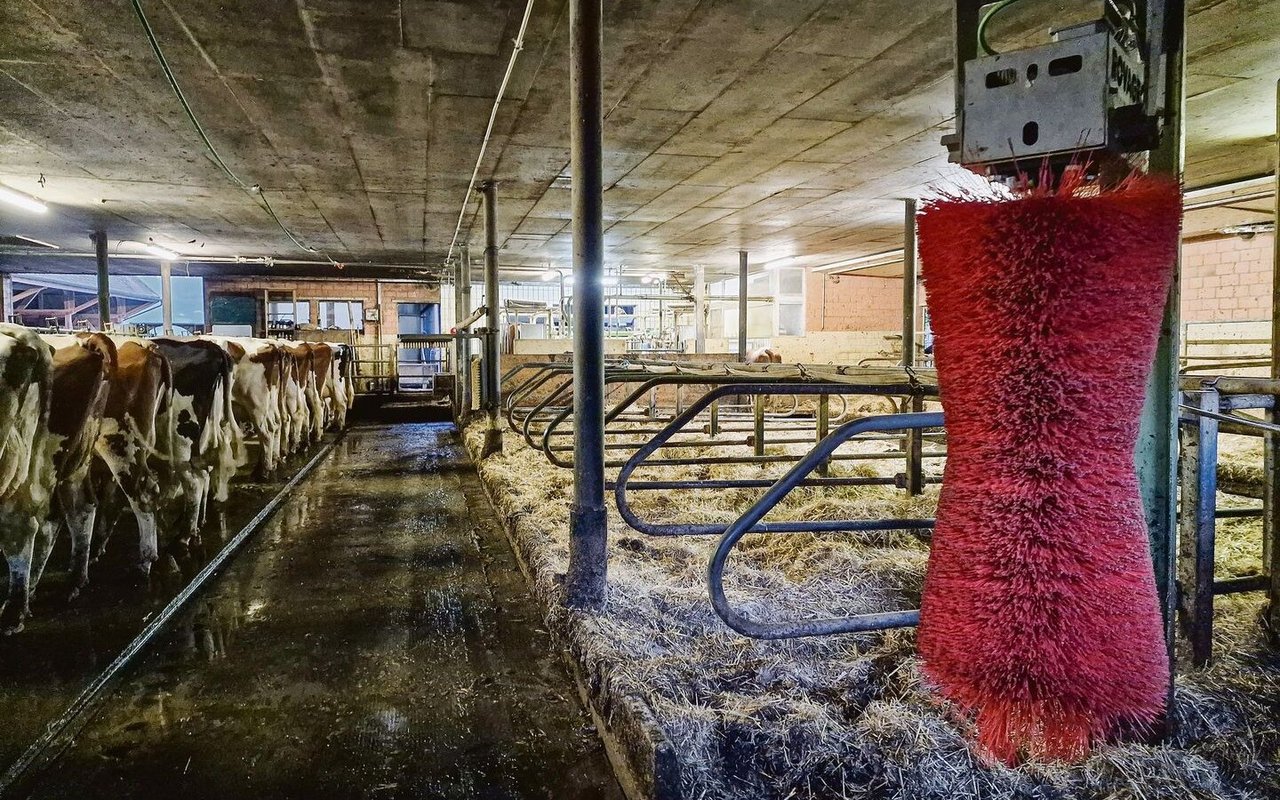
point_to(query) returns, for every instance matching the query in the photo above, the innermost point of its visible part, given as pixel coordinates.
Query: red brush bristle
(1039, 614)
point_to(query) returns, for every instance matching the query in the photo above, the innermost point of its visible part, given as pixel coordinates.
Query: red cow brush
(1040, 617)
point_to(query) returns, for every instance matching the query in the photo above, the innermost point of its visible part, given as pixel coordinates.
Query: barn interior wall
(1227, 280)
(365, 291)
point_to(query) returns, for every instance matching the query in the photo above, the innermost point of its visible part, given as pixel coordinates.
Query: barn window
(344, 315)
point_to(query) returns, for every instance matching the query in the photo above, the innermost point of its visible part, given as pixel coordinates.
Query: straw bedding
(850, 716)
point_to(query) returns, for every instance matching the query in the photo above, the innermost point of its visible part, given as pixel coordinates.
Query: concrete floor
(374, 640)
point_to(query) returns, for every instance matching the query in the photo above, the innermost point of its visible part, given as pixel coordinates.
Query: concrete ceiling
(785, 128)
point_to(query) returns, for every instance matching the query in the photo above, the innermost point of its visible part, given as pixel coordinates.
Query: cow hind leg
(45, 539)
(17, 606)
(81, 525)
(79, 512)
(148, 539)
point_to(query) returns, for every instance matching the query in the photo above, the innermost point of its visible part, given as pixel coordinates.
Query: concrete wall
(1227, 280)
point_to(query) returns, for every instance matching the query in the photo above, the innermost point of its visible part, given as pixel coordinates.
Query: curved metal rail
(641, 459)
(750, 522)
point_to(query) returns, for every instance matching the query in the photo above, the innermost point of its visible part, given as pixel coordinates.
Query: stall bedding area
(847, 716)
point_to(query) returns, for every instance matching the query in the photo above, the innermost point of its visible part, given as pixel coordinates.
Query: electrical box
(1083, 91)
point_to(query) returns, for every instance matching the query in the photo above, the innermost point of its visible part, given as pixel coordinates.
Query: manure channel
(374, 639)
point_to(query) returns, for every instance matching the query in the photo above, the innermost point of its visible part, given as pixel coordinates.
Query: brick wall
(853, 303)
(1227, 280)
(364, 291)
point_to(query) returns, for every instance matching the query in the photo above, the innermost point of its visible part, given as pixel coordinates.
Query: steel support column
(588, 532)
(742, 304)
(1198, 523)
(166, 296)
(910, 281)
(913, 443)
(492, 342)
(468, 305)
(6, 297)
(1271, 491)
(699, 309)
(461, 344)
(1157, 452)
(104, 281)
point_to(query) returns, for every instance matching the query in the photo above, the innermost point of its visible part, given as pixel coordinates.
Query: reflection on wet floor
(374, 640)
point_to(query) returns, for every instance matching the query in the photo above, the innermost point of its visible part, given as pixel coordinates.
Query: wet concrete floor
(374, 640)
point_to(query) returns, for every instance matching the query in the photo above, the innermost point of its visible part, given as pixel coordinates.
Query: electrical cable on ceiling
(488, 133)
(254, 190)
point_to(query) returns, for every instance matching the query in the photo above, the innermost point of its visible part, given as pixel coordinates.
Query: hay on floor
(848, 716)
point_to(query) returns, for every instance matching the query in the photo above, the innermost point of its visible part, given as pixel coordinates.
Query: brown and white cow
(295, 408)
(255, 393)
(84, 367)
(202, 428)
(338, 391)
(134, 443)
(763, 355)
(321, 362)
(26, 460)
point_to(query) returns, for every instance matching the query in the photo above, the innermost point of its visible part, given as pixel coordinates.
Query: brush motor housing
(1084, 91)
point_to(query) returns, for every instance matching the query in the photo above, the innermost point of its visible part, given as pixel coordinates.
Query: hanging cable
(254, 190)
(488, 132)
(982, 25)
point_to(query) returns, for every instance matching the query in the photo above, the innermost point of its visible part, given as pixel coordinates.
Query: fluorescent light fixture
(865, 262)
(1260, 182)
(647, 279)
(22, 201)
(609, 280)
(165, 253)
(36, 241)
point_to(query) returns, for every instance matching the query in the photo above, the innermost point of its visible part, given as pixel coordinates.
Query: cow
(763, 355)
(26, 461)
(337, 392)
(134, 444)
(84, 367)
(255, 393)
(202, 429)
(294, 406)
(321, 368)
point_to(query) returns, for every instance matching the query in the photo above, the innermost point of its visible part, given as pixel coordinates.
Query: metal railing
(1208, 409)
(643, 458)
(751, 522)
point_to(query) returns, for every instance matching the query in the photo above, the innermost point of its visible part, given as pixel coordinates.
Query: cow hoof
(10, 630)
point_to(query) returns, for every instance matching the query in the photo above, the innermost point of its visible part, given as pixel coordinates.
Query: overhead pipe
(585, 582)
(493, 118)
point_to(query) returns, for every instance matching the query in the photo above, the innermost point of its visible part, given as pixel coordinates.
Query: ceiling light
(36, 241)
(164, 253)
(1249, 229)
(551, 275)
(22, 201)
(609, 280)
(647, 279)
